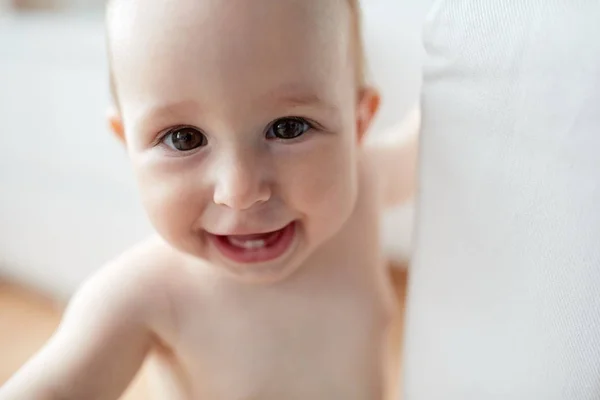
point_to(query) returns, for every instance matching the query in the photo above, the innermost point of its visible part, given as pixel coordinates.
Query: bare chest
(326, 340)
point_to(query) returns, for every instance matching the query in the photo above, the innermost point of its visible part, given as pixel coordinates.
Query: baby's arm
(393, 157)
(98, 348)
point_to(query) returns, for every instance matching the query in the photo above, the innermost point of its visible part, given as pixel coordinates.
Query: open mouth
(255, 248)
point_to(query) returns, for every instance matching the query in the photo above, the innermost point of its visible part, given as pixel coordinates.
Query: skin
(313, 323)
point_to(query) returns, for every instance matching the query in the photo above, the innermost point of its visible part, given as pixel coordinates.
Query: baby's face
(240, 119)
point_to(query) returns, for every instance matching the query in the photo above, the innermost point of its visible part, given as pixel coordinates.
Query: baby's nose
(240, 183)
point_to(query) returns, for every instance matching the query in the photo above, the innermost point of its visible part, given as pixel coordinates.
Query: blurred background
(67, 200)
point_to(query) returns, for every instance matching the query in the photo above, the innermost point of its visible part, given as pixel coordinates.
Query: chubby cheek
(323, 186)
(172, 202)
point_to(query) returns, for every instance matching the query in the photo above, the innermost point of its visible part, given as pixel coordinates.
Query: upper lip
(245, 232)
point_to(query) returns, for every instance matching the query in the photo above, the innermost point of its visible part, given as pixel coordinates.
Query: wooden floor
(27, 320)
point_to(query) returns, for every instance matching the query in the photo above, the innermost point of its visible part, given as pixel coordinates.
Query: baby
(245, 124)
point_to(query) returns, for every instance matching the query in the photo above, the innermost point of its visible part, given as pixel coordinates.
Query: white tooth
(247, 244)
(255, 244)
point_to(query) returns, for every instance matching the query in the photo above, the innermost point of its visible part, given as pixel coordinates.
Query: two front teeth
(247, 244)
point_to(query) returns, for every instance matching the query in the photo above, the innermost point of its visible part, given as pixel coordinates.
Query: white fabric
(504, 299)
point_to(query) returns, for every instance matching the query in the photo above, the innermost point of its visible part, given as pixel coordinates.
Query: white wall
(67, 201)
(67, 198)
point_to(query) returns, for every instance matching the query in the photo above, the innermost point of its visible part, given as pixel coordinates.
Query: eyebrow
(165, 113)
(159, 114)
(303, 99)
(297, 95)
(174, 108)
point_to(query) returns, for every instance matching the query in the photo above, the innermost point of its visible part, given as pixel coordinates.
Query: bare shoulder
(133, 288)
(150, 262)
(112, 322)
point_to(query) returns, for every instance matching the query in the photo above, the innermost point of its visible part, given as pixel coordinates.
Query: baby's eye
(185, 139)
(288, 128)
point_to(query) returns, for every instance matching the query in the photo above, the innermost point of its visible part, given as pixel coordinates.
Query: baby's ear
(116, 123)
(368, 105)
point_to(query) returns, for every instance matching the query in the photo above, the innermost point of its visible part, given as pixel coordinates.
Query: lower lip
(267, 253)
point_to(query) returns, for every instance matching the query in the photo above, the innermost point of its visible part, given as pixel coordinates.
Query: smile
(255, 248)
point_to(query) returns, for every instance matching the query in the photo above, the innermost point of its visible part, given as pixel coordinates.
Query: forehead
(170, 46)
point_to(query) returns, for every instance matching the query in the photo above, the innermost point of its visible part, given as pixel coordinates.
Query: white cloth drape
(504, 298)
